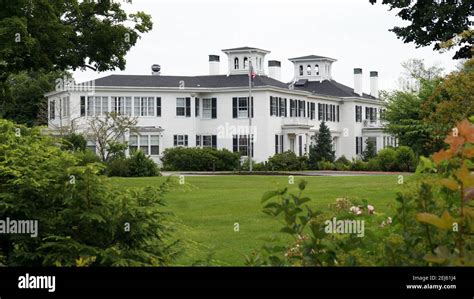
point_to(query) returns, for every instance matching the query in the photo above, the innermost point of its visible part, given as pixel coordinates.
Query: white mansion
(213, 110)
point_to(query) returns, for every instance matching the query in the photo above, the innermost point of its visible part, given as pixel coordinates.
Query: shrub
(405, 158)
(373, 165)
(342, 159)
(358, 165)
(255, 166)
(118, 167)
(286, 161)
(326, 165)
(87, 157)
(387, 159)
(140, 165)
(200, 159)
(81, 221)
(74, 142)
(370, 150)
(342, 167)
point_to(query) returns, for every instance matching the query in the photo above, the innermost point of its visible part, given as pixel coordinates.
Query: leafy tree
(323, 149)
(370, 151)
(446, 23)
(141, 165)
(75, 142)
(108, 133)
(83, 220)
(62, 35)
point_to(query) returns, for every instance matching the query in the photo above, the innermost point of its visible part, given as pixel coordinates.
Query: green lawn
(206, 208)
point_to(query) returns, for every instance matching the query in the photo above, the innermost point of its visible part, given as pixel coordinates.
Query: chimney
(214, 64)
(274, 69)
(156, 70)
(358, 81)
(374, 84)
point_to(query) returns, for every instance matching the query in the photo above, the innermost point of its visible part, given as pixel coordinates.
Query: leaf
(302, 185)
(269, 194)
(450, 184)
(441, 156)
(445, 222)
(465, 176)
(287, 230)
(466, 129)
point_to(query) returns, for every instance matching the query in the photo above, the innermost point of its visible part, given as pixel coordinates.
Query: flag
(252, 73)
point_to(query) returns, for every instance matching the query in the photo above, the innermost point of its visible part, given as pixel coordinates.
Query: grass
(207, 207)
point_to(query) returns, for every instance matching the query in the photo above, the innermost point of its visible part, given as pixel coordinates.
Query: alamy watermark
(12, 226)
(345, 226)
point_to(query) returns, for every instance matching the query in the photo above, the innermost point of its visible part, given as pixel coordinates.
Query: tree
(108, 133)
(63, 35)
(323, 149)
(83, 220)
(443, 22)
(370, 151)
(403, 113)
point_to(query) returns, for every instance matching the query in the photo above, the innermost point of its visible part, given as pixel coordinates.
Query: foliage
(74, 142)
(118, 167)
(60, 35)
(87, 157)
(200, 159)
(444, 23)
(141, 165)
(326, 165)
(323, 149)
(405, 157)
(83, 220)
(370, 150)
(358, 165)
(108, 133)
(387, 159)
(286, 161)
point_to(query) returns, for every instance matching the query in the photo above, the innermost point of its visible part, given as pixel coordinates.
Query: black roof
(311, 57)
(326, 87)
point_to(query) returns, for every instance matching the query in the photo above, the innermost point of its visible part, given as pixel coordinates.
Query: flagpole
(249, 102)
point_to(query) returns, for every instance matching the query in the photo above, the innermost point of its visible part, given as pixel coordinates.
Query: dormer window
(301, 70)
(236, 63)
(316, 69)
(308, 70)
(245, 62)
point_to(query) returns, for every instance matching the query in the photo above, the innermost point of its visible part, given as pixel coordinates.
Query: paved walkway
(285, 173)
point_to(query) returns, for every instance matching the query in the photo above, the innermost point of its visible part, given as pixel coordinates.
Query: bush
(118, 167)
(87, 157)
(81, 221)
(286, 161)
(405, 158)
(200, 159)
(358, 165)
(373, 165)
(326, 165)
(255, 166)
(342, 167)
(343, 160)
(74, 142)
(140, 165)
(387, 159)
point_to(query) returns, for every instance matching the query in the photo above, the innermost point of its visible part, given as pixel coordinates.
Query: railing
(373, 123)
(296, 121)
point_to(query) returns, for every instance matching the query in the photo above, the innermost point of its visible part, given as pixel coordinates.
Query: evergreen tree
(370, 151)
(323, 149)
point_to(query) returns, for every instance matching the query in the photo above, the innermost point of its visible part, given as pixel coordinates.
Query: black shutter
(158, 106)
(281, 143)
(300, 139)
(188, 107)
(196, 107)
(83, 106)
(253, 146)
(319, 111)
(185, 140)
(357, 145)
(251, 105)
(357, 113)
(198, 140)
(286, 107)
(278, 103)
(214, 108)
(175, 140)
(327, 111)
(214, 141)
(234, 107)
(271, 100)
(366, 112)
(234, 144)
(291, 108)
(276, 144)
(337, 113)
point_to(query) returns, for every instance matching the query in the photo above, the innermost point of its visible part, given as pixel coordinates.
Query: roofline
(303, 58)
(245, 50)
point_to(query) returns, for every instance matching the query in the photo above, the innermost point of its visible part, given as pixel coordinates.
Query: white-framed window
(236, 63)
(206, 108)
(52, 109)
(301, 70)
(149, 144)
(122, 105)
(273, 106)
(65, 107)
(154, 145)
(144, 144)
(241, 145)
(132, 143)
(97, 106)
(180, 107)
(180, 140)
(308, 70)
(242, 107)
(246, 63)
(144, 106)
(206, 141)
(91, 146)
(316, 69)
(278, 144)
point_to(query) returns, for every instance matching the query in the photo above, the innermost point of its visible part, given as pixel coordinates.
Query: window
(316, 69)
(52, 109)
(358, 115)
(243, 108)
(206, 108)
(65, 107)
(359, 145)
(144, 142)
(371, 114)
(128, 106)
(320, 111)
(90, 106)
(301, 70)
(196, 107)
(144, 106)
(245, 62)
(241, 145)
(83, 106)
(206, 141)
(122, 105)
(133, 143)
(180, 107)
(312, 112)
(308, 70)
(180, 140)
(91, 146)
(300, 141)
(301, 108)
(236, 63)
(273, 106)
(282, 107)
(292, 108)
(278, 144)
(154, 145)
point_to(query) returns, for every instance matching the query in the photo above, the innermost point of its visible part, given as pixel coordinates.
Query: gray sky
(354, 32)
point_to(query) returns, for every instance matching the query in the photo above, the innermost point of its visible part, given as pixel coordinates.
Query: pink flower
(370, 209)
(389, 220)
